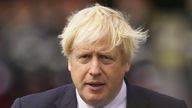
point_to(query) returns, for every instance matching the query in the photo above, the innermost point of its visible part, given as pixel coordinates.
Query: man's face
(97, 72)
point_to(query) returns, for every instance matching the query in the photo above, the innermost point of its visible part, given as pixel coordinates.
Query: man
(99, 45)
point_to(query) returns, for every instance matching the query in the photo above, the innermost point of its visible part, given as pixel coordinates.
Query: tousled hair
(93, 23)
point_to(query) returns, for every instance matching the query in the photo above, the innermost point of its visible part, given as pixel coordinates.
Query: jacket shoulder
(42, 99)
(158, 100)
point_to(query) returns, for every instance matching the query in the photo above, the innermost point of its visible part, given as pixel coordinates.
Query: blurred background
(31, 59)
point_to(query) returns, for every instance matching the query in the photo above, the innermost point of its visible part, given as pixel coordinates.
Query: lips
(95, 85)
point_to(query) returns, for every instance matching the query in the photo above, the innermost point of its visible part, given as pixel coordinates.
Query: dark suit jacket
(65, 97)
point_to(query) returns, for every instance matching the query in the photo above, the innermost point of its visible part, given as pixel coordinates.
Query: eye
(106, 59)
(84, 58)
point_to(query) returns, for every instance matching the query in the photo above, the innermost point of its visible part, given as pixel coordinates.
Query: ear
(69, 65)
(127, 66)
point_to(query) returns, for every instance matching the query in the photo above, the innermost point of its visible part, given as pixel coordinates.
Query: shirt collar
(118, 102)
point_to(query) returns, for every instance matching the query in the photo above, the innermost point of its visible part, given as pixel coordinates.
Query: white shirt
(118, 102)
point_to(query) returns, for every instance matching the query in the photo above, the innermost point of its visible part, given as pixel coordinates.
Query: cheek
(116, 70)
(77, 77)
(78, 72)
(115, 74)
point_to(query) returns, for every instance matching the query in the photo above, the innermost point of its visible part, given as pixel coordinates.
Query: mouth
(95, 86)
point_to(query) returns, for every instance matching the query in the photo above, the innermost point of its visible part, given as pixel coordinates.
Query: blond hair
(92, 23)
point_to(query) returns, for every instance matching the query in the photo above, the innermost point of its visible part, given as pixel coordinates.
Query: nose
(95, 68)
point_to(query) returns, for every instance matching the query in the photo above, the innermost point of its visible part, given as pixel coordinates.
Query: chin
(96, 102)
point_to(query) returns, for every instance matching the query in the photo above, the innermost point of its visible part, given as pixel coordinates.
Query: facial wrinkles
(107, 74)
(95, 51)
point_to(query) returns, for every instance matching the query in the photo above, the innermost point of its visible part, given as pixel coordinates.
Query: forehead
(99, 47)
(103, 42)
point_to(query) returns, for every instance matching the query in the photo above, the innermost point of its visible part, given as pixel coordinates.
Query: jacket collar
(68, 100)
(134, 99)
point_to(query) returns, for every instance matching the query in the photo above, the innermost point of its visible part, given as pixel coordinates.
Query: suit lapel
(68, 100)
(134, 99)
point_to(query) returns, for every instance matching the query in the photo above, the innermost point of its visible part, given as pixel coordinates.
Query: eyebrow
(101, 50)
